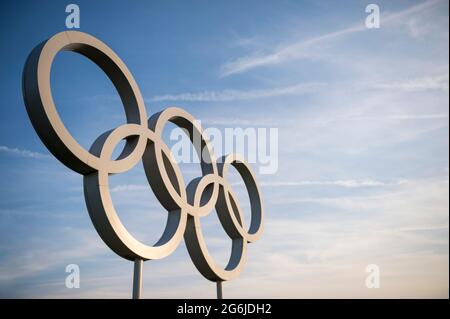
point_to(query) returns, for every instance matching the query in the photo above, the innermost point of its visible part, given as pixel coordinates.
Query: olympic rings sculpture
(185, 204)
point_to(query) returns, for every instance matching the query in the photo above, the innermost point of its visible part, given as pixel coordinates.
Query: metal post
(137, 278)
(219, 290)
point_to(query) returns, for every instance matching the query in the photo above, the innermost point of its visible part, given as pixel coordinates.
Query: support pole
(219, 290)
(137, 278)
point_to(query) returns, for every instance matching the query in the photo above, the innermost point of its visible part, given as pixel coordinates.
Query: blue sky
(362, 116)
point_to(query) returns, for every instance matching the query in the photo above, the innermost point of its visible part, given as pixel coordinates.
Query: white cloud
(417, 84)
(236, 121)
(440, 82)
(349, 183)
(305, 48)
(129, 187)
(422, 199)
(233, 95)
(22, 152)
(438, 116)
(289, 52)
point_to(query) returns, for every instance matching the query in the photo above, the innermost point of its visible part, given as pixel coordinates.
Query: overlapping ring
(185, 204)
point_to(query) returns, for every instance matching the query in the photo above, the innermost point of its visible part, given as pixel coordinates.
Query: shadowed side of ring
(200, 196)
(230, 216)
(101, 207)
(41, 107)
(227, 206)
(94, 165)
(196, 243)
(163, 172)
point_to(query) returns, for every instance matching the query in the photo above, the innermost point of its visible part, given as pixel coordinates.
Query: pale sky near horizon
(363, 153)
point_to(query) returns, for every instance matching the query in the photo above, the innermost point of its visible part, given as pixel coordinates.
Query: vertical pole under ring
(219, 290)
(137, 278)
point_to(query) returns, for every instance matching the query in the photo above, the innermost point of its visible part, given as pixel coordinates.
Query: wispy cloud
(440, 82)
(302, 49)
(349, 183)
(429, 82)
(394, 117)
(400, 116)
(22, 152)
(129, 187)
(233, 95)
(289, 52)
(393, 201)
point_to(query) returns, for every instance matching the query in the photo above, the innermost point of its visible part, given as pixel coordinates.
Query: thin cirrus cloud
(233, 95)
(424, 83)
(129, 187)
(22, 152)
(347, 183)
(418, 84)
(304, 48)
(437, 82)
(400, 117)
